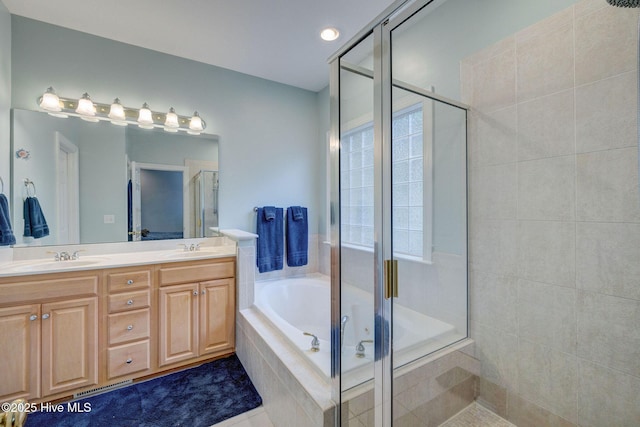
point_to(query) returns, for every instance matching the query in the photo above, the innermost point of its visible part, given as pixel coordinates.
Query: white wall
(269, 146)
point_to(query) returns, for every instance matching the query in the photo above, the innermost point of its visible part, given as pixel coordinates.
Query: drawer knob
(129, 360)
(129, 282)
(130, 302)
(45, 316)
(33, 317)
(203, 292)
(130, 327)
(195, 293)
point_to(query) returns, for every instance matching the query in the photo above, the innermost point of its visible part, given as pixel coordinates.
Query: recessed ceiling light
(329, 34)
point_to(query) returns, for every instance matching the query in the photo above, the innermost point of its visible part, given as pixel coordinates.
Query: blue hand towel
(6, 233)
(270, 239)
(269, 213)
(297, 236)
(35, 225)
(298, 212)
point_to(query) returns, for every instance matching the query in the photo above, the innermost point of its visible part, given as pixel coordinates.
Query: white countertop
(125, 259)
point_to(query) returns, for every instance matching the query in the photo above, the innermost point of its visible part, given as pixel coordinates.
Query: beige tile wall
(554, 219)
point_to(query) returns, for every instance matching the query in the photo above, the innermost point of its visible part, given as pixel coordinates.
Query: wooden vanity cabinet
(196, 310)
(129, 316)
(49, 331)
(64, 333)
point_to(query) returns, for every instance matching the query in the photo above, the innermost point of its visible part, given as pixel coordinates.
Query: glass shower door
(401, 259)
(428, 215)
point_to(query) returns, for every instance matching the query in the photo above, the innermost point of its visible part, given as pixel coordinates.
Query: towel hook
(28, 182)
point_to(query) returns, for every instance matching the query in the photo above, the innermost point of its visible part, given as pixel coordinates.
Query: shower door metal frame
(381, 28)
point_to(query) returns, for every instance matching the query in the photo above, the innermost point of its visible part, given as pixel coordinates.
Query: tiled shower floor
(473, 415)
(476, 415)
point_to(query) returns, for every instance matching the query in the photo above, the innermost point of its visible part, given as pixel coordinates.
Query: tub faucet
(343, 323)
(360, 348)
(315, 343)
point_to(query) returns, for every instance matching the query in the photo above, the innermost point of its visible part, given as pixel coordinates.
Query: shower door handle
(390, 278)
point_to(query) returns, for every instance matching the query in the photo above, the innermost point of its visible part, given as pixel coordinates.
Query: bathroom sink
(204, 252)
(55, 265)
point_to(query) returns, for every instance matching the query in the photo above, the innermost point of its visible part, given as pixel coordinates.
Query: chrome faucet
(315, 343)
(360, 348)
(343, 323)
(66, 256)
(190, 248)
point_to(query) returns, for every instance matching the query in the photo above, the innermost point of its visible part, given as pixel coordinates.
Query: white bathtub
(303, 304)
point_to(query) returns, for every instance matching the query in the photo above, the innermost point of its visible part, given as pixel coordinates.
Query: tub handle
(360, 348)
(315, 343)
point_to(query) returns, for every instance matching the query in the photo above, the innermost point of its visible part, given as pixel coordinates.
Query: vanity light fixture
(86, 109)
(145, 118)
(118, 114)
(171, 121)
(50, 102)
(196, 124)
(329, 34)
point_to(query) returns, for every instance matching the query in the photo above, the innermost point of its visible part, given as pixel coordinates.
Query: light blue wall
(162, 193)
(268, 148)
(169, 149)
(102, 169)
(5, 95)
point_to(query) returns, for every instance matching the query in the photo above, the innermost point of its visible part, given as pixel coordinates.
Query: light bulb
(116, 113)
(50, 100)
(86, 109)
(329, 34)
(196, 124)
(171, 122)
(145, 120)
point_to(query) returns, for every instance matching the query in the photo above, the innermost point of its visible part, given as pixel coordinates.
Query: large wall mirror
(100, 183)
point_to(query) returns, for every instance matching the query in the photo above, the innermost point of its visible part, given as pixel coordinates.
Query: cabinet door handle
(45, 316)
(130, 327)
(203, 292)
(129, 282)
(195, 293)
(33, 317)
(129, 360)
(130, 302)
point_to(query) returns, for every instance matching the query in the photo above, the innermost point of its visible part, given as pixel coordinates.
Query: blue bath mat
(197, 397)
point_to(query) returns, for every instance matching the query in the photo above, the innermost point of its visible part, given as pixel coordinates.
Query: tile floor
(255, 418)
(474, 415)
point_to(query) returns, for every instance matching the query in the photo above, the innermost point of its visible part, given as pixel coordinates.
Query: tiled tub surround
(296, 394)
(554, 219)
(303, 304)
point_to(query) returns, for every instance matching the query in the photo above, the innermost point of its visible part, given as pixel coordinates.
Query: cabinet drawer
(117, 282)
(197, 273)
(129, 326)
(43, 289)
(128, 358)
(129, 301)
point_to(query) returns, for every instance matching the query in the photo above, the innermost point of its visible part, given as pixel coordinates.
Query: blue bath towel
(35, 225)
(270, 239)
(6, 232)
(297, 236)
